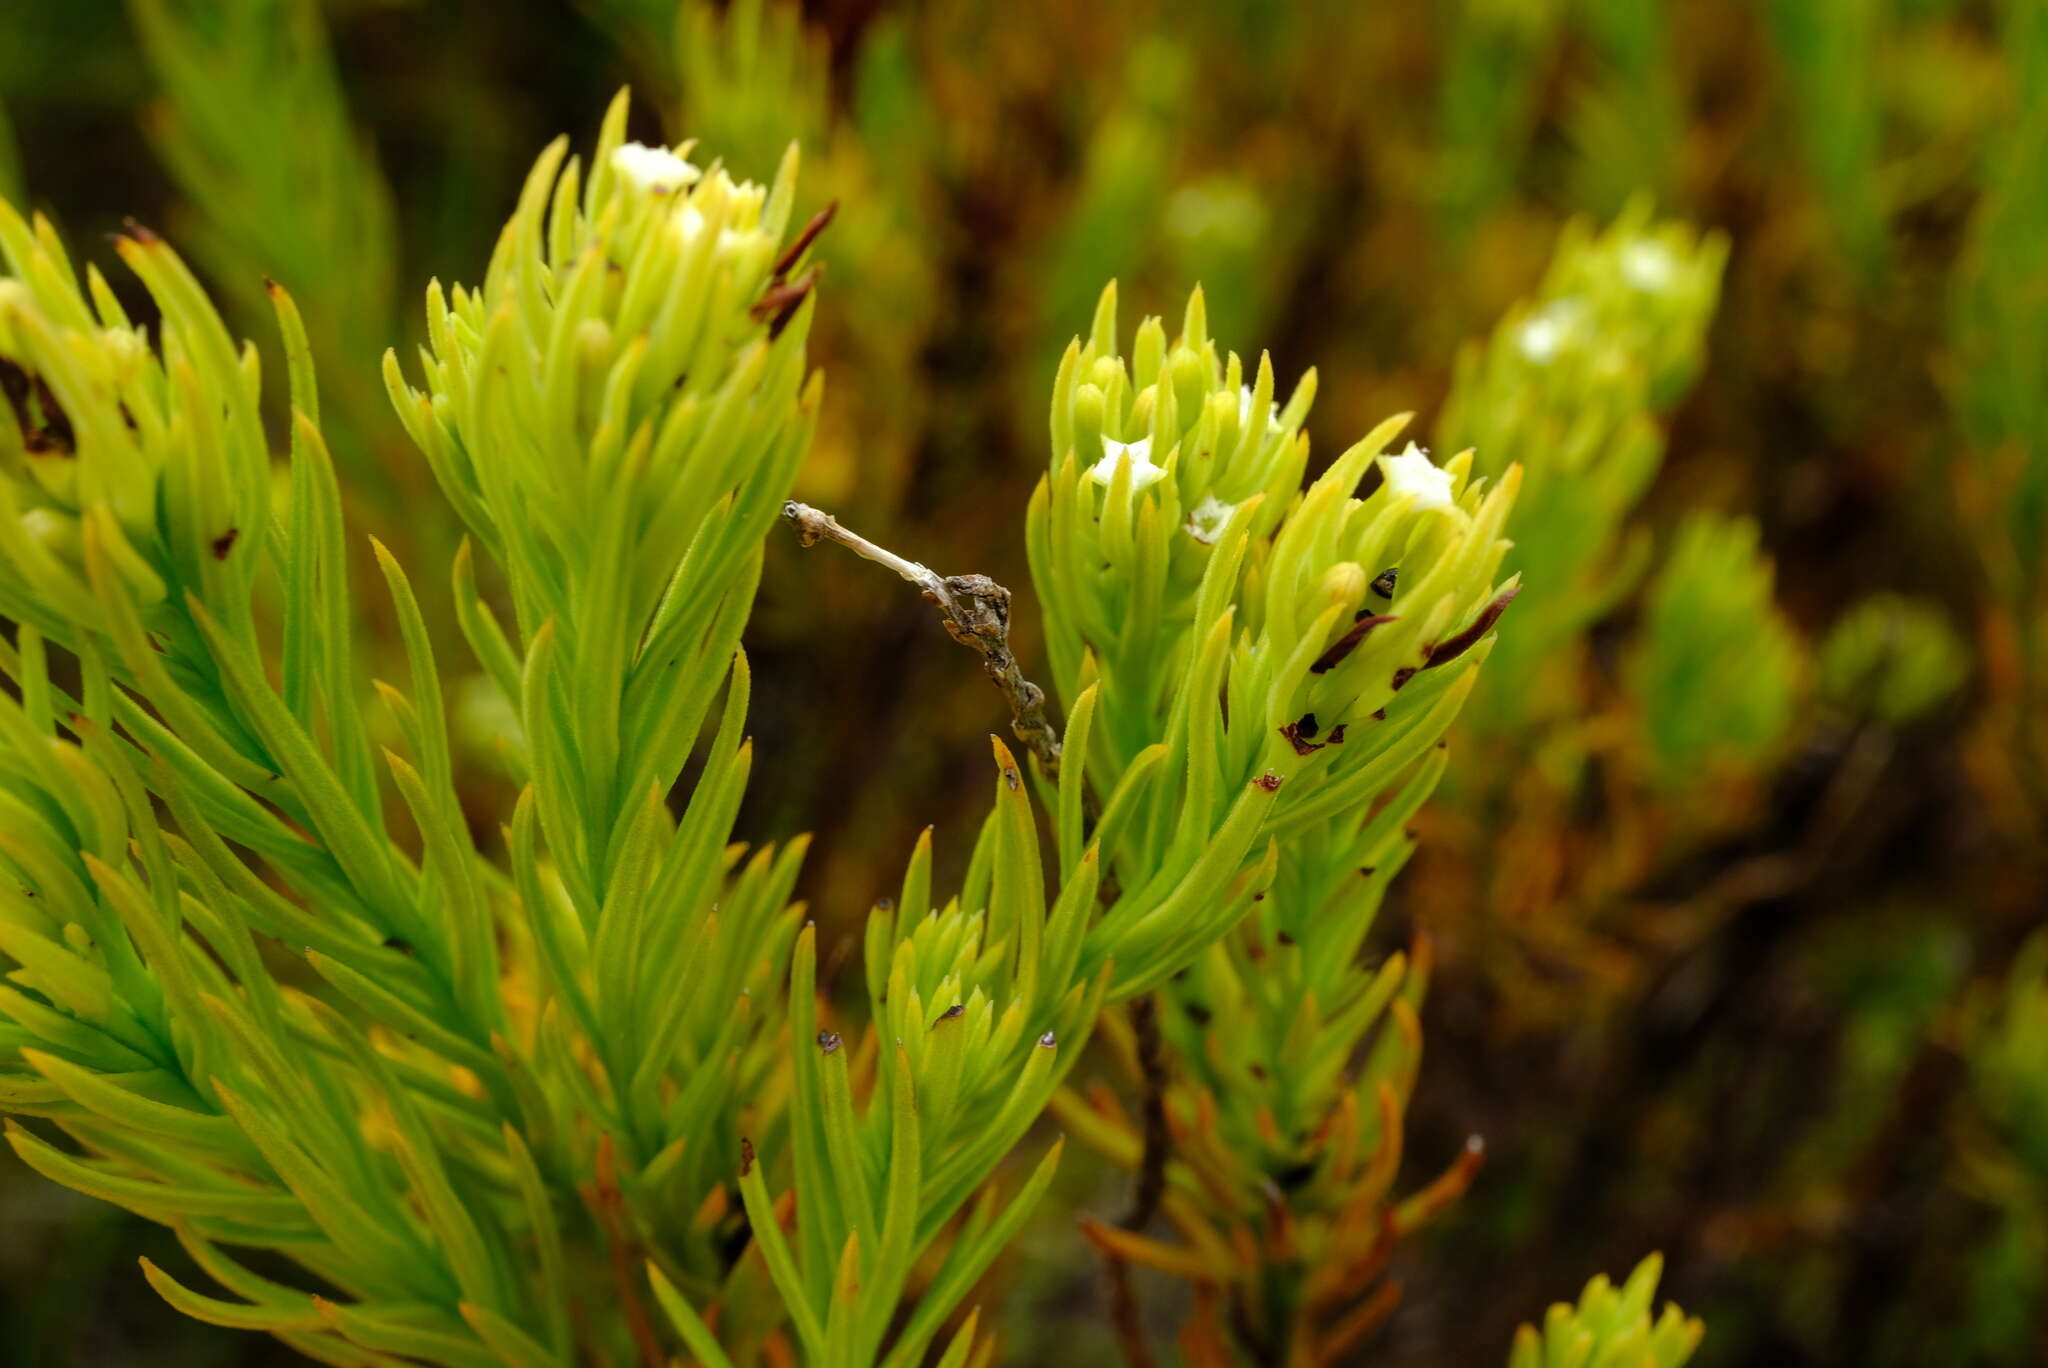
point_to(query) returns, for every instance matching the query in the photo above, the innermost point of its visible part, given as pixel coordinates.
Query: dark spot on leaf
(1284, 938)
(1337, 734)
(1268, 781)
(398, 943)
(1198, 1014)
(1383, 583)
(953, 1013)
(746, 1156)
(1296, 737)
(1402, 676)
(225, 543)
(1290, 1177)
(1010, 778)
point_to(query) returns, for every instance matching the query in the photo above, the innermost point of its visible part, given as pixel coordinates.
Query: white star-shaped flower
(1138, 453)
(655, 170)
(1648, 265)
(688, 224)
(1412, 473)
(1547, 331)
(1209, 519)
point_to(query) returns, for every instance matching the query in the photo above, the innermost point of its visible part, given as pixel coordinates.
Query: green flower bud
(1891, 657)
(633, 361)
(1612, 1325)
(617, 413)
(1569, 386)
(162, 450)
(1717, 669)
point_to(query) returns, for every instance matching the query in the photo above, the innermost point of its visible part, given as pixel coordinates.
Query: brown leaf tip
(1445, 652)
(794, 252)
(1340, 650)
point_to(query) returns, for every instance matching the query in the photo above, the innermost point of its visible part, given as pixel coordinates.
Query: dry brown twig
(976, 613)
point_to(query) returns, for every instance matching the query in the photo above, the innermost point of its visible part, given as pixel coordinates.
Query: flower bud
(1344, 584)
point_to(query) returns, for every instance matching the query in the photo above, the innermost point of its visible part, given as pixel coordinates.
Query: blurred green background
(1780, 1026)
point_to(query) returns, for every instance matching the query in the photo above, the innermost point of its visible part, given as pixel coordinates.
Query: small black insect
(1383, 585)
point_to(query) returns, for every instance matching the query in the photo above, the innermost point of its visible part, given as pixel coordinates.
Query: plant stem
(976, 613)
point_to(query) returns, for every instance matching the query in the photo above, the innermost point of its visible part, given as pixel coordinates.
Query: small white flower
(1548, 330)
(1648, 265)
(1138, 453)
(1413, 473)
(655, 170)
(1244, 410)
(1209, 519)
(688, 224)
